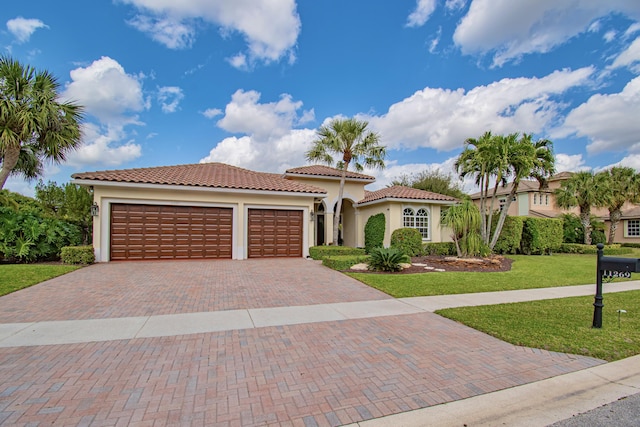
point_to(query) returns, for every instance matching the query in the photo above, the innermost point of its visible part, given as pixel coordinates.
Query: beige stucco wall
(353, 192)
(239, 201)
(393, 219)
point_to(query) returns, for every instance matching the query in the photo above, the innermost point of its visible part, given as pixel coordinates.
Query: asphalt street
(621, 413)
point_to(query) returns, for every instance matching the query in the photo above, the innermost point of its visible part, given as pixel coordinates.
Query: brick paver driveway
(326, 373)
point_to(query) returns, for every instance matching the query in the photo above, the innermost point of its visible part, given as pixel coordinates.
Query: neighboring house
(530, 200)
(214, 210)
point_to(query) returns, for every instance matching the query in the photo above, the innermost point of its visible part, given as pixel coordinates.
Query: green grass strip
(14, 277)
(562, 325)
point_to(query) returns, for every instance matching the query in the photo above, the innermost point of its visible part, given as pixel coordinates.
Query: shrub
(321, 252)
(440, 248)
(30, 236)
(387, 259)
(541, 235)
(374, 232)
(407, 240)
(510, 235)
(344, 262)
(77, 255)
(579, 248)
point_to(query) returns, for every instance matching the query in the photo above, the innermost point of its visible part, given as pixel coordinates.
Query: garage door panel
(274, 233)
(170, 232)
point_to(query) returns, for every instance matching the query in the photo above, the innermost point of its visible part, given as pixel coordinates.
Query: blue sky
(248, 82)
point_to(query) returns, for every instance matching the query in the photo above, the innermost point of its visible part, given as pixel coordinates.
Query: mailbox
(625, 265)
(610, 267)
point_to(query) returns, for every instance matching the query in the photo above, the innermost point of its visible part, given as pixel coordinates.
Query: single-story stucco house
(214, 210)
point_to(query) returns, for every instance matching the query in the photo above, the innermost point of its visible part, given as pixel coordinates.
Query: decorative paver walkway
(328, 372)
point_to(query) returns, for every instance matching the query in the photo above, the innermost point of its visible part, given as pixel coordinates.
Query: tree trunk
(503, 216)
(614, 217)
(336, 214)
(585, 219)
(9, 161)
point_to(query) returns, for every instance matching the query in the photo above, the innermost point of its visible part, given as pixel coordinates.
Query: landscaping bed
(436, 263)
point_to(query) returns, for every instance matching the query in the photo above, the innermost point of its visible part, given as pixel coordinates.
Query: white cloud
(610, 35)
(608, 120)
(173, 34)
(107, 91)
(569, 162)
(630, 57)
(244, 114)
(632, 161)
(270, 142)
(443, 119)
(276, 155)
(509, 29)
(633, 28)
(169, 98)
(103, 147)
(433, 44)
(239, 61)
(455, 4)
(22, 28)
(210, 113)
(424, 9)
(269, 27)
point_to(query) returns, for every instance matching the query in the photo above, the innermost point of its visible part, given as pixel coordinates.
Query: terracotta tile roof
(633, 213)
(326, 171)
(525, 186)
(401, 192)
(213, 175)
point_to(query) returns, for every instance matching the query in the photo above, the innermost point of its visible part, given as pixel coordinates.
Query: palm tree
(34, 125)
(525, 160)
(464, 220)
(497, 159)
(350, 139)
(623, 185)
(584, 189)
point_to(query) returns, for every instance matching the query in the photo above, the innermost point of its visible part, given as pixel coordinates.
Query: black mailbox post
(610, 267)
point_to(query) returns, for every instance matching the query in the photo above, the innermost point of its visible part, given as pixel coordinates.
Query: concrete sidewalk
(96, 330)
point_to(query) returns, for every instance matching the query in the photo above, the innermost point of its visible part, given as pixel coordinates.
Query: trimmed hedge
(510, 235)
(440, 248)
(77, 255)
(374, 232)
(408, 240)
(344, 262)
(541, 235)
(321, 252)
(579, 248)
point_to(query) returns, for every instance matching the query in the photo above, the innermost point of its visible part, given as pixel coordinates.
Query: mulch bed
(448, 263)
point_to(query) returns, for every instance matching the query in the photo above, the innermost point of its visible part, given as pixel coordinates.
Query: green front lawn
(562, 325)
(14, 277)
(526, 272)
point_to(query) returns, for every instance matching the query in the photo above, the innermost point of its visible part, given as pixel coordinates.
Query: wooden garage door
(275, 233)
(145, 232)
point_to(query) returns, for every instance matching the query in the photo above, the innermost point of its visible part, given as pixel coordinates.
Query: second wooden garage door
(146, 232)
(274, 233)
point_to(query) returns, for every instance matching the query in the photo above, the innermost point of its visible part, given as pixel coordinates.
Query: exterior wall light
(95, 210)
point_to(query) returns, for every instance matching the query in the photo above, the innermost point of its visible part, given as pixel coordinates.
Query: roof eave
(94, 182)
(336, 178)
(406, 200)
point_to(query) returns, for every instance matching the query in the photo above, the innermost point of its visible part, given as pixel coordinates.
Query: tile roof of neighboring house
(633, 213)
(526, 185)
(210, 175)
(545, 214)
(326, 171)
(401, 192)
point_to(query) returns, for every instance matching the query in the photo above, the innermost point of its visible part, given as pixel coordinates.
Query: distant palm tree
(494, 160)
(623, 185)
(349, 139)
(34, 125)
(584, 189)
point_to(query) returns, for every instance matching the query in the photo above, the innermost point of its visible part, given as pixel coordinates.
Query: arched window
(408, 218)
(417, 219)
(422, 222)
